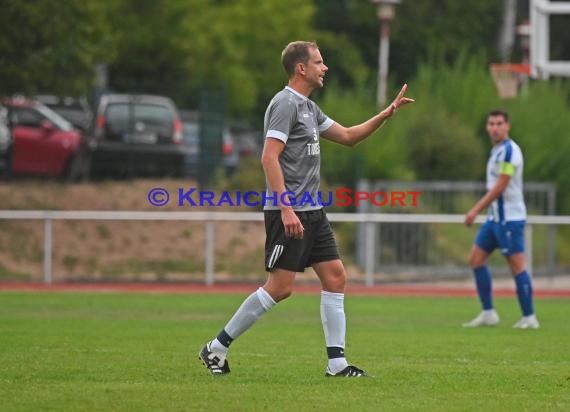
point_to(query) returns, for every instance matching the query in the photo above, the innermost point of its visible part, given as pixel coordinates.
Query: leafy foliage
(540, 123)
(454, 27)
(417, 28)
(539, 115)
(149, 38)
(443, 148)
(237, 45)
(381, 156)
(51, 46)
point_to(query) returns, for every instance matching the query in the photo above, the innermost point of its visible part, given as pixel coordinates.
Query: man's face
(497, 128)
(315, 68)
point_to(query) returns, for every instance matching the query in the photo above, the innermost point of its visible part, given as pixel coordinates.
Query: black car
(137, 135)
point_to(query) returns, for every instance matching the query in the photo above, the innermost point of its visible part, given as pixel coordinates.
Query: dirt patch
(127, 250)
(142, 250)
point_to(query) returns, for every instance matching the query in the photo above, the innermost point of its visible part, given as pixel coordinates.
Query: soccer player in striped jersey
(504, 227)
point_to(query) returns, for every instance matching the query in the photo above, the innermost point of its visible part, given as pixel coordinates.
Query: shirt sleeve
(509, 161)
(507, 169)
(282, 114)
(323, 120)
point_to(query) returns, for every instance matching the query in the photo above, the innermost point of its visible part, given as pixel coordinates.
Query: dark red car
(43, 142)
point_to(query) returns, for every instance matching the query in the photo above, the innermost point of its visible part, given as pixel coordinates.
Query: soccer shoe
(527, 322)
(348, 372)
(216, 365)
(485, 318)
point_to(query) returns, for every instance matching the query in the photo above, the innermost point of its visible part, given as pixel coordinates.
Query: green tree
(452, 26)
(236, 45)
(150, 39)
(440, 147)
(51, 46)
(541, 125)
(418, 27)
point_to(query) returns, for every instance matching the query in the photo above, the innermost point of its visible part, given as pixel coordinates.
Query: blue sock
(484, 283)
(524, 292)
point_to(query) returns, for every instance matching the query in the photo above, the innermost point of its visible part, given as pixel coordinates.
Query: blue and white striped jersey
(506, 158)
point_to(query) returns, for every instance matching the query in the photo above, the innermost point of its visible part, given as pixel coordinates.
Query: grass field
(137, 352)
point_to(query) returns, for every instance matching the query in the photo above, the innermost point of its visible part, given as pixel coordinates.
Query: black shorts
(318, 243)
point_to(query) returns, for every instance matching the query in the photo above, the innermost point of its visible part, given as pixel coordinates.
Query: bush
(381, 156)
(440, 147)
(541, 125)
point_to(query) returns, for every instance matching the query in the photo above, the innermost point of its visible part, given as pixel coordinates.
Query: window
(122, 117)
(23, 116)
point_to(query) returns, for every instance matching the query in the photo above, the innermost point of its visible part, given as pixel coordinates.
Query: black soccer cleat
(348, 372)
(215, 364)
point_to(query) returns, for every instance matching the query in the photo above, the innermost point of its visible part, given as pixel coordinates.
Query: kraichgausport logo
(342, 197)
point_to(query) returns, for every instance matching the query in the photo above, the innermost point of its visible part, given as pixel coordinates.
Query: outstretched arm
(350, 136)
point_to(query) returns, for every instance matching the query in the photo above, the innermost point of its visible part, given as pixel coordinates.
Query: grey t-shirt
(297, 121)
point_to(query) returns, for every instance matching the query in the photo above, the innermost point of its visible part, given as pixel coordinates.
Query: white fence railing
(210, 219)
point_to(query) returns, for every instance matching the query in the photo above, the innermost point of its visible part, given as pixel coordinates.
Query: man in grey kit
(298, 232)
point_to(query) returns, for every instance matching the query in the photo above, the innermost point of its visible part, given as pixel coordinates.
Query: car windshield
(118, 115)
(55, 118)
(139, 118)
(76, 115)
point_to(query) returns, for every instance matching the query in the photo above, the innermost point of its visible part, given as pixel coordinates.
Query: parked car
(229, 150)
(206, 152)
(43, 142)
(248, 141)
(75, 110)
(191, 145)
(5, 142)
(137, 135)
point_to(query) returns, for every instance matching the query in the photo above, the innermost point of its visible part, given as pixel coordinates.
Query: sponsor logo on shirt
(313, 149)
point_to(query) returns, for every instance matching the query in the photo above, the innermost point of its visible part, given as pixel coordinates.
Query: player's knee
(278, 292)
(517, 264)
(341, 280)
(282, 295)
(477, 259)
(336, 282)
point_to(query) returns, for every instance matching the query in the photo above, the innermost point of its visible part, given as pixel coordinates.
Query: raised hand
(400, 100)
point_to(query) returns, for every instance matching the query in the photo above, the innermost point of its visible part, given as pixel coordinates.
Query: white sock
(334, 326)
(218, 348)
(337, 364)
(250, 310)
